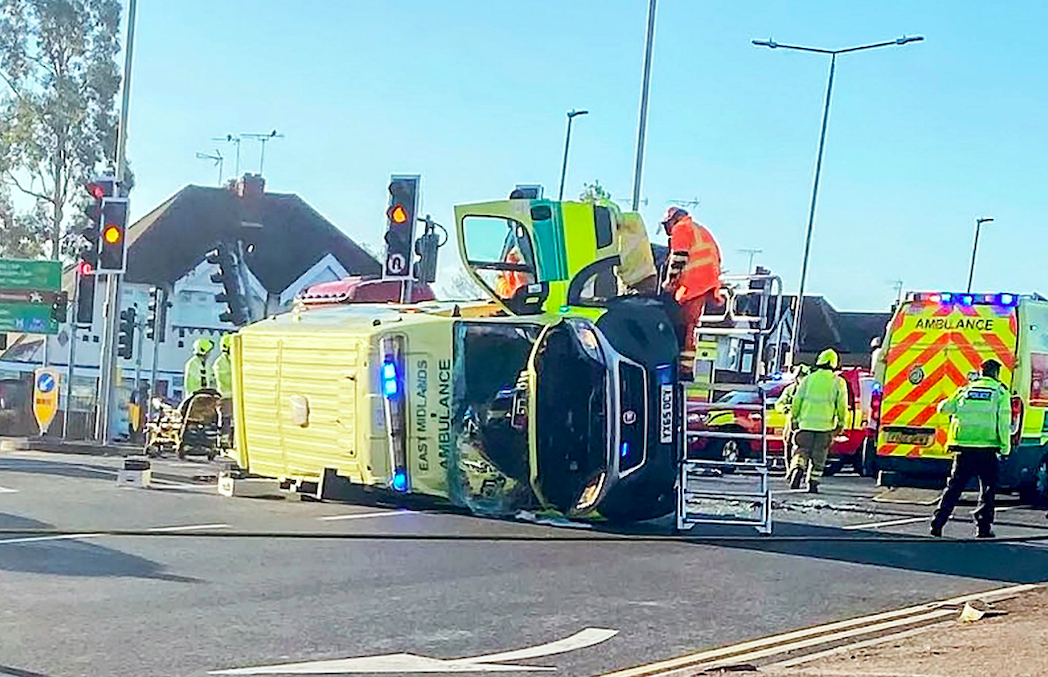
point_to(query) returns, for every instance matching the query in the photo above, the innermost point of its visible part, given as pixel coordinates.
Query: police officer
(196, 373)
(223, 379)
(980, 432)
(692, 275)
(817, 413)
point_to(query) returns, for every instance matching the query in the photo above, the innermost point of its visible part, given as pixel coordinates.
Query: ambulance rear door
(936, 344)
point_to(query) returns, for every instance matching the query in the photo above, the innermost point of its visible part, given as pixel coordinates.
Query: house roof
(823, 326)
(288, 236)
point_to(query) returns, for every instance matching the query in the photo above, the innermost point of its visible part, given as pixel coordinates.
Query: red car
(361, 290)
(863, 405)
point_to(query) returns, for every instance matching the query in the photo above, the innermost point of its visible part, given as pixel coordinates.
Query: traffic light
(400, 226)
(112, 243)
(156, 315)
(426, 247)
(125, 338)
(227, 277)
(85, 293)
(60, 307)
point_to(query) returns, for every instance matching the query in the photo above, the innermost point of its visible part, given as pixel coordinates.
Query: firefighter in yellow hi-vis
(818, 413)
(223, 373)
(980, 431)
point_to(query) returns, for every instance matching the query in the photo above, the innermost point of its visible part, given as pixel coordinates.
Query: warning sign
(45, 397)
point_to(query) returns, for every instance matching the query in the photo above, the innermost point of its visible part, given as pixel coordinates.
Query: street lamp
(572, 114)
(975, 247)
(771, 44)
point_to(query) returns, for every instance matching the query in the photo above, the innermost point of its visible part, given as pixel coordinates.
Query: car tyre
(867, 465)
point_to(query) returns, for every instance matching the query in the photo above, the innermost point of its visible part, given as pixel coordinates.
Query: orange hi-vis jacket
(695, 261)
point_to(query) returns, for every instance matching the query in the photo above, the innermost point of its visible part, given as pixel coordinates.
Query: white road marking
(190, 527)
(776, 644)
(35, 539)
(363, 515)
(5, 490)
(405, 662)
(907, 520)
(884, 639)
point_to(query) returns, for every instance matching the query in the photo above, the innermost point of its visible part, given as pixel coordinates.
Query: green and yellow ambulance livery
(557, 393)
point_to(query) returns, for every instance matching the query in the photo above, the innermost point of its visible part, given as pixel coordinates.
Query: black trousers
(969, 462)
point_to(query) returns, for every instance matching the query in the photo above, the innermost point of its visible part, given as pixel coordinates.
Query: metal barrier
(734, 487)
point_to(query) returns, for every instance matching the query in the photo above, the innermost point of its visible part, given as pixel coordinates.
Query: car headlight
(586, 335)
(588, 497)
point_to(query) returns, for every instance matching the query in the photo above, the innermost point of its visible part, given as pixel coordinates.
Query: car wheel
(867, 465)
(1036, 493)
(181, 452)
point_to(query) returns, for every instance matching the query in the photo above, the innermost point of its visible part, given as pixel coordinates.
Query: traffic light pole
(71, 367)
(111, 306)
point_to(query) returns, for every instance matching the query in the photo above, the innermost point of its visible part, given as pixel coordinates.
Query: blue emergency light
(625, 450)
(1002, 299)
(400, 480)
(390, 383)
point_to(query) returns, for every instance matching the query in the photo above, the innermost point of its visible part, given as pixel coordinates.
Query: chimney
(251, 187)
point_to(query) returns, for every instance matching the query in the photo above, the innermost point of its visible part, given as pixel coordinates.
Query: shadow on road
(987, 560)
(72, 557)
(58, 468)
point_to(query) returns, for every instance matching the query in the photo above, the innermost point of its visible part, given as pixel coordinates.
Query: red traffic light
(112, 234)
(397, 214)
(85, 268)
(97, 191)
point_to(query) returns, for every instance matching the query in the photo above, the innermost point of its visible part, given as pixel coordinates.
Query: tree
(22, 236)
(594, 192)
(57, 116)
(455, 285)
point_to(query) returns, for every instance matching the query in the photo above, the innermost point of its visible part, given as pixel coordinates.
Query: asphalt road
(184, 605)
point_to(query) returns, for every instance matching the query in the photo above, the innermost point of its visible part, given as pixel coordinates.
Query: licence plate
(919, 439)
(665, 414)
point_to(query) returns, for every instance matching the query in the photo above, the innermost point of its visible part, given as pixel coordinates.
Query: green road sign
(32, 318)
(22, 274)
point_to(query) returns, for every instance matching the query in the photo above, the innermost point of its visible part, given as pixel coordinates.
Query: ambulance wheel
(1036, 493)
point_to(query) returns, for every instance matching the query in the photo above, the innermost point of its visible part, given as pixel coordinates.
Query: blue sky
(472, 94)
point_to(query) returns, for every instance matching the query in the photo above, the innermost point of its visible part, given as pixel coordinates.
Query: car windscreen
(571, 411)
(490, 448)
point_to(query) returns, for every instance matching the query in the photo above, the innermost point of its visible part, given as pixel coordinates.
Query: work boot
(813, 487)
(985, 533)
(794, 478)
(935, 530)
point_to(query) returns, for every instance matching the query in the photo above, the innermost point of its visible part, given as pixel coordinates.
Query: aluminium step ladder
(733, 486)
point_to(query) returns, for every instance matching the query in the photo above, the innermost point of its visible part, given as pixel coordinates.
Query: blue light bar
(665, 374)
(945, 297)
(400, 480)
(967, 300)
(390, 384)
(1007, 299)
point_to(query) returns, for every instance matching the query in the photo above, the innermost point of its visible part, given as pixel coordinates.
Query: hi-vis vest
(196, 376)
(820, 402)
(694, 260)
(980, 415)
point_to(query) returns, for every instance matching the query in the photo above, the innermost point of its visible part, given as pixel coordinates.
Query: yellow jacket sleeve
(841, 403)
(1004, 423)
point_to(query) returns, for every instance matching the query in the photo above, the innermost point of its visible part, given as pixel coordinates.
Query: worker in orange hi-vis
(692, 276)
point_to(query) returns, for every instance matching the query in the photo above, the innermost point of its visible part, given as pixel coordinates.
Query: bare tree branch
(14, 180)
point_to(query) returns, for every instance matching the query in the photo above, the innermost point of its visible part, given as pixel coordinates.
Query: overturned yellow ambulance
(496, 405)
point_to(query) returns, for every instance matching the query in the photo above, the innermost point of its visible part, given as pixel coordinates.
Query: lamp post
(572, 114)
(771, 44)
(642, 124)
(975, 248)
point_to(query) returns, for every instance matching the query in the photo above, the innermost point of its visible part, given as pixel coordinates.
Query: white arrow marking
(5, 490)
(406, 662)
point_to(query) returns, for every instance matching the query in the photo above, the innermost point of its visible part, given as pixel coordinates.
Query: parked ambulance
(935, 344)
